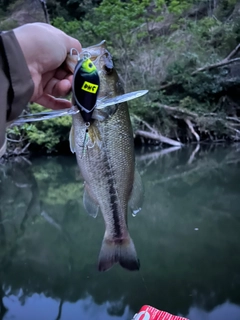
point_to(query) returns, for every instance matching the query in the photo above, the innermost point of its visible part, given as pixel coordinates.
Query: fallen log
(158, 137)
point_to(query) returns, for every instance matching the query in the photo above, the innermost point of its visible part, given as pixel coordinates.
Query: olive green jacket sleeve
(16, 85)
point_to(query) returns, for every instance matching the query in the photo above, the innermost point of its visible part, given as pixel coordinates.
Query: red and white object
(150, 313)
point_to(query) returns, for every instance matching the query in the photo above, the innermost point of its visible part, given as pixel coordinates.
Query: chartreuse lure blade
(85, 87)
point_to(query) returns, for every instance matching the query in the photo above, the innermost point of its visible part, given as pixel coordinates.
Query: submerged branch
(177, 175)
(193, 154)
(156, 154)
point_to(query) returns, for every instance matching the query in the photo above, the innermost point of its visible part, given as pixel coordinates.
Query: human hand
(45, 48)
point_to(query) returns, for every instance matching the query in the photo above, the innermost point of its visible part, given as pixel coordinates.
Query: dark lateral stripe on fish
(114, 210)
(113, 200)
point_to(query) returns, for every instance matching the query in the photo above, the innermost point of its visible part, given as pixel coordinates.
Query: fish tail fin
(118, 251)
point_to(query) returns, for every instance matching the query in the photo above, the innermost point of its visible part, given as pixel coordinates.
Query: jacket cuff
(21, 83)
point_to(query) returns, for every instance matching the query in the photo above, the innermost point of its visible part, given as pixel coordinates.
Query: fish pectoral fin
(105, 113)
(89, 203)
(136, 199)
(99, 115)
(118, 251)
(72, 140)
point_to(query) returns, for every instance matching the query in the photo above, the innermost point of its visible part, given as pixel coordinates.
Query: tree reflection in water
(187, 237)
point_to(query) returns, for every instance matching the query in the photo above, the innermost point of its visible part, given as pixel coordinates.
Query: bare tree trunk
(44, 7)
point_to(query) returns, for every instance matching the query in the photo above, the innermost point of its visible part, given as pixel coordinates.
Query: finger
(61, 74)
(51, 102)
(68, 41)
(72, 43)
(58, 88)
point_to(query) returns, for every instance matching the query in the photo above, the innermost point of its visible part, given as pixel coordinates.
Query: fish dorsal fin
(89, 204)
(72, 140)
(136, 199)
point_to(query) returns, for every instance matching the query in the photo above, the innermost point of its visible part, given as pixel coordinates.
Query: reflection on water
(187, 238)
(39, 307)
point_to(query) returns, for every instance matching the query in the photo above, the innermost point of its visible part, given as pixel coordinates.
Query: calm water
(187, 237)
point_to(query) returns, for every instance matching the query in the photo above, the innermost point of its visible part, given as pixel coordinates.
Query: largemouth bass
(105, 155)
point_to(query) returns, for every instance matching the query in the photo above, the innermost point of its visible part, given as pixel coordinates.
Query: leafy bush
(46, 136)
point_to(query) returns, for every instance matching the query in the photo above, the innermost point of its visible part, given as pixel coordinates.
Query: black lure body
(86, 84)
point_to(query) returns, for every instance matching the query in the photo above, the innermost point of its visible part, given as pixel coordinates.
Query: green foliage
(71, 9)
(8, 24)
(179, 6)
(51, 191)
(153, 44)
(225, 8)
(115, 20)
(72, 28)
(47, 136)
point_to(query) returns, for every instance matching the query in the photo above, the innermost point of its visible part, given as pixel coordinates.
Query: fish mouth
(98, 54)
(103, 62)
(96, 49)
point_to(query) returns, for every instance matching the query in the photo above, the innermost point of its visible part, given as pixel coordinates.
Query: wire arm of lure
(81, 55)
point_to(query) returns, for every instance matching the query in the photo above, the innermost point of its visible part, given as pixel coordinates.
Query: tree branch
(158, 137)
(177, 110)
(215, 65)
(44, 7)
(190, 126)
(232, 54)
(221, 63)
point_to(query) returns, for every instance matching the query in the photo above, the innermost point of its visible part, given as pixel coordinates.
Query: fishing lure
(85, 87)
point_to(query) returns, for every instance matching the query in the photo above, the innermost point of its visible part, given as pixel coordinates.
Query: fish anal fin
(137, 194)
(118, 251)
(72, 140)
(89, 203)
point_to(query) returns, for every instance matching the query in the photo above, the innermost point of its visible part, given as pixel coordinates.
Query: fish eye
(108, 70)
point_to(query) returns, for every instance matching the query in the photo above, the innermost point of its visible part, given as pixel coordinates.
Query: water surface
(187, 238)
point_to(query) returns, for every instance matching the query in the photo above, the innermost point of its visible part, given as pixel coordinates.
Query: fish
(105, 155)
